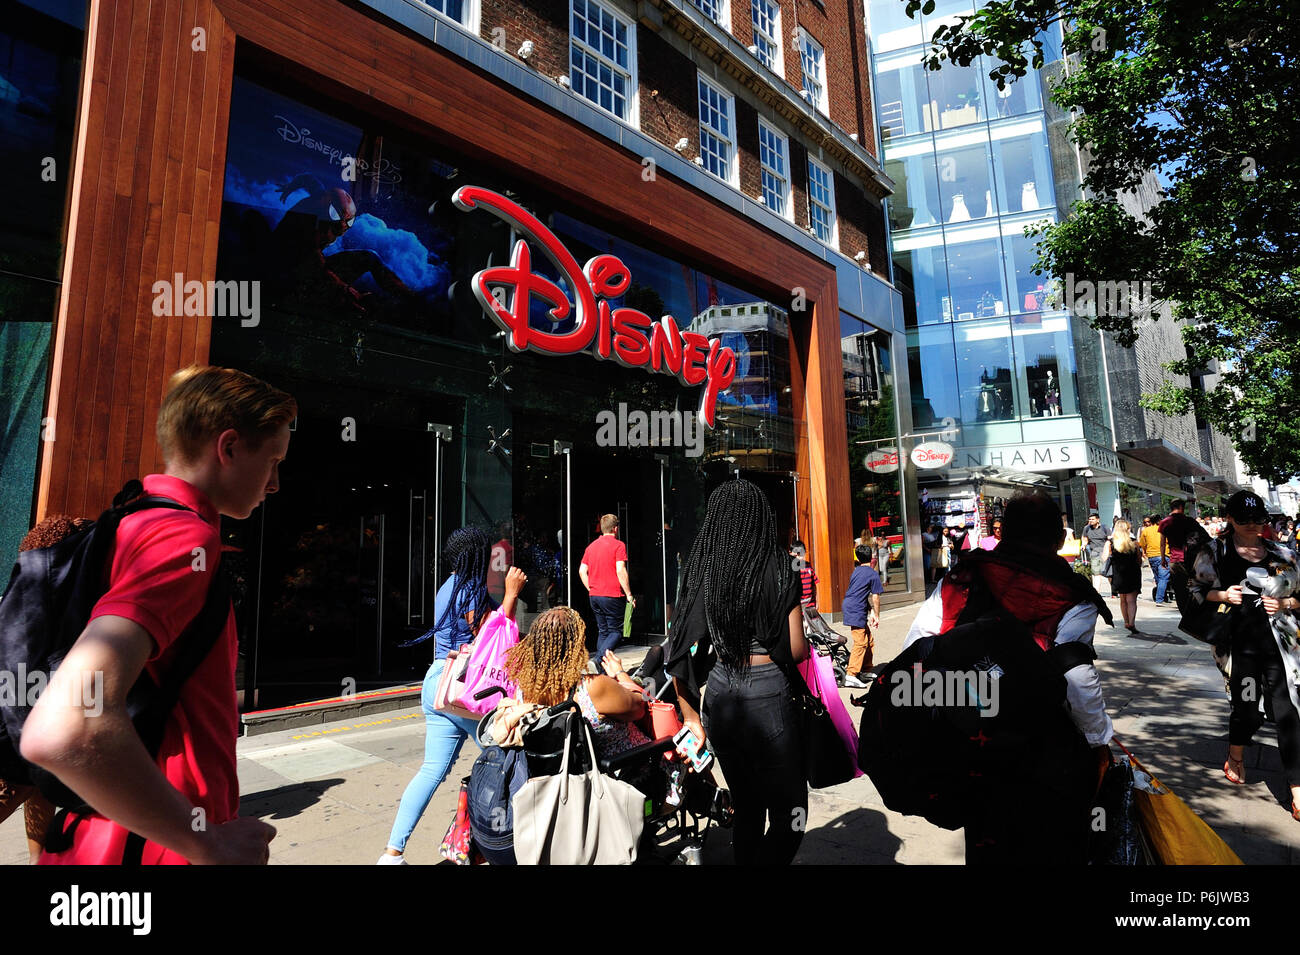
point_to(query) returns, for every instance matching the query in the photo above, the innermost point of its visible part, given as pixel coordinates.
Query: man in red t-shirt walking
(604, 574)
(223, 435)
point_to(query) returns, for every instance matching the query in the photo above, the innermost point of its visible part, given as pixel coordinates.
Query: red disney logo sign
(629, 337)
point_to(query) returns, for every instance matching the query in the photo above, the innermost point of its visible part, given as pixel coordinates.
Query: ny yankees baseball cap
(1247, 507)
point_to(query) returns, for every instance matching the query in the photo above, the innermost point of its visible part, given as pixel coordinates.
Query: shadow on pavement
(1165, 638)
(286, 801)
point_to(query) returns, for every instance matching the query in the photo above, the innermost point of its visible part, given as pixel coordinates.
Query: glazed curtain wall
(40, 69)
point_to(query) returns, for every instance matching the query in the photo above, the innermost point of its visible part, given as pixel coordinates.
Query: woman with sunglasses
(1265, 656)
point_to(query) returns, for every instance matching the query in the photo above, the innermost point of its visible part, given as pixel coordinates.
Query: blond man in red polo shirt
(223, 435)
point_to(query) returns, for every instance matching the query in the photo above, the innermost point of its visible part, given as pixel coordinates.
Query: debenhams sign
(1054, 456)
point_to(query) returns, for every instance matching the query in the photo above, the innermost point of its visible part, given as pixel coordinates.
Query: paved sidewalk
(332, 791)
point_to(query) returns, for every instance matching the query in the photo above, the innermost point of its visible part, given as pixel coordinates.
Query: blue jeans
(444, 735)
(609, 613)
(1162, 578)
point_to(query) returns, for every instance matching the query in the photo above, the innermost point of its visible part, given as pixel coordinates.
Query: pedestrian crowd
(737, 657)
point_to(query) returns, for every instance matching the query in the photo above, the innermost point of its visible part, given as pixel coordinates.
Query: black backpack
(43, 611)
(929, 749)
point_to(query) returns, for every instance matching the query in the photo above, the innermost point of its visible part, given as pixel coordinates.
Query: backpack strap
(1067, 656)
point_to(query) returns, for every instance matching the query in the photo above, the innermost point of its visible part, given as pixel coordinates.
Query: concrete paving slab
(304, 761)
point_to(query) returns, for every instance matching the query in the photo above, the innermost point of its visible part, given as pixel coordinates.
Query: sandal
(1238, 777)
(1295, 811)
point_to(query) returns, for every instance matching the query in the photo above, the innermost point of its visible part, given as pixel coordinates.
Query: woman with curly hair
(740, 606)
(460, 608)
(550, 665)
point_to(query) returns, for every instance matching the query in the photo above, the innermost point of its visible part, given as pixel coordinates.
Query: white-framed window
(716, 10)
(602, 57)
(821, 202)
(718, 131)
(774, 163)
(465, 12)
(812, 60)
(766, 17)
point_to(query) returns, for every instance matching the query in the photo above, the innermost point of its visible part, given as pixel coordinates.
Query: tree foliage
(1206, 92)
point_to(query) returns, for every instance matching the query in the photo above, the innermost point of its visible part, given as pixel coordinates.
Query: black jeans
(1257, 673)
(609, 613)
(754, 730)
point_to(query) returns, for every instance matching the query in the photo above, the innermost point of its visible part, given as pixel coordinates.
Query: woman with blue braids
(459, 610)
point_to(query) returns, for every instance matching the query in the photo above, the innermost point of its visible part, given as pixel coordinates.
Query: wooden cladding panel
(150, 147)
(822, 444)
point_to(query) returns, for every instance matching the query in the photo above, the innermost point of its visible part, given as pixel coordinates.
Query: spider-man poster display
(335, 221)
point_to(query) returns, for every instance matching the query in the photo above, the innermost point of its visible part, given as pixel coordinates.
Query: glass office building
(1016, 385)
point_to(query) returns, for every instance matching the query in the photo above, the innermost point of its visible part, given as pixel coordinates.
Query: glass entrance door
(342, 566)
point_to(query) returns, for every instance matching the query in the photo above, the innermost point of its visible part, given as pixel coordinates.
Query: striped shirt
(808, 586)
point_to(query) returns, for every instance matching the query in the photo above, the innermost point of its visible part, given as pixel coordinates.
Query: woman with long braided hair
(550, 665)
(460, 608)
(739, 606)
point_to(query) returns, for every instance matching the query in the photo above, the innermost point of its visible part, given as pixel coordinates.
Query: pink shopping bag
(819, 674)
(487, 665)
(453, 675)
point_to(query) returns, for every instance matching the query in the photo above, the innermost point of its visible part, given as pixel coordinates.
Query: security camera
(752, 49)
(526, 50)
(681, 144)
(853, 136)
(1086, 473)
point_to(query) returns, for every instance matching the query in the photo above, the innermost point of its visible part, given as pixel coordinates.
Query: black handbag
(826, 761)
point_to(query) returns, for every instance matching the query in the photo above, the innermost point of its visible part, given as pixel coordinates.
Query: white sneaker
(387, 859)
(853, 681)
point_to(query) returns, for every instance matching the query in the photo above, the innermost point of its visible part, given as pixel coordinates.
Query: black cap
(1247, 507)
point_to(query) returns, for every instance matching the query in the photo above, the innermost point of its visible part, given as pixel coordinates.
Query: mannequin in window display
(994, 400)
(1053, 396)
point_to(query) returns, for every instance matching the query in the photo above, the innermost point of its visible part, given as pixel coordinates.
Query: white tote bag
(587, 819)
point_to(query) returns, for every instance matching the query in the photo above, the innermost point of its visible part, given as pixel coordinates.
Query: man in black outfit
(1176, 532)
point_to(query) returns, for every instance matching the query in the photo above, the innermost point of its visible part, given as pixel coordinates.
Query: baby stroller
(826, 641)
(681, 806)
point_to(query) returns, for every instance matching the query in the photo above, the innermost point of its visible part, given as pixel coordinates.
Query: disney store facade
(488, 315)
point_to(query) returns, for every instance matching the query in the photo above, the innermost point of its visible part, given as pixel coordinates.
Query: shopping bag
(456, 843)
(819, 673)
(1115, 838)
(453, 677)
(1175, 834)
(579, 819)
(486, 665)
(627, 621)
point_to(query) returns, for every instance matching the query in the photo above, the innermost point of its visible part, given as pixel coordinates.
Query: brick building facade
(667, 100)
